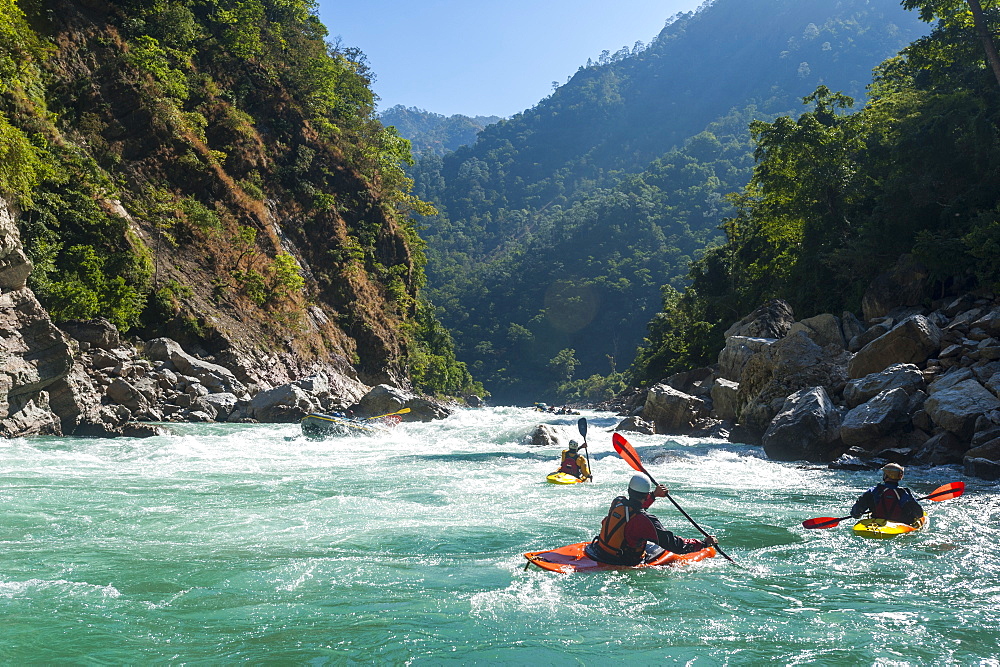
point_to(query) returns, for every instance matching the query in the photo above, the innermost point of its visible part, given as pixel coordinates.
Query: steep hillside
(433, 133)
(215, 172)
(616, 180)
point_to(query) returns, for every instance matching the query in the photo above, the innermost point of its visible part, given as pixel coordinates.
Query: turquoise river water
(249, 543)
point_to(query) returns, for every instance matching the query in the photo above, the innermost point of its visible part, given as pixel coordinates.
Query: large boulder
(824, 329)
(806, 428)
(904, 376)
(911, 341)
(382, 399)
(958, 407)
(869, 422)
(738, 351)
(771, 320)
(283, 405)
(636, 425)
(385, 399)
(724, 399)
(944, 448)
(673, 411)
(779, 370)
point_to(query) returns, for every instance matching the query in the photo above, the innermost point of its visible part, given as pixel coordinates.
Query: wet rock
(806, 428)
(941, 449)
(636, 424)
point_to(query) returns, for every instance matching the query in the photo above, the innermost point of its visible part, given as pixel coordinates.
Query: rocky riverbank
(81, 378)
(910, 384)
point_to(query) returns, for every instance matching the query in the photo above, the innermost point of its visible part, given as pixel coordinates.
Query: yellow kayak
(882, 529)
(563, 478)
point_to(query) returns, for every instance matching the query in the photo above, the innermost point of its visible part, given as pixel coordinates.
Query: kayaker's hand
(660, 491)
(710, 541)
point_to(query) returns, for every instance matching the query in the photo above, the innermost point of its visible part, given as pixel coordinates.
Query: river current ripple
(249, 543)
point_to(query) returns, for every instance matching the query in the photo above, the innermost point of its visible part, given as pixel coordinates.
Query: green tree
(963, 13)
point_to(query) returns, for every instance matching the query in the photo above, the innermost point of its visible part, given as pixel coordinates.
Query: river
(249, 543)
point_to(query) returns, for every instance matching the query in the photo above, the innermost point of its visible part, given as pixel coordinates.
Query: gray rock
(982, 468)
(850, 326)
(824, 329)
(806, 428)
(912, 341)
(875, 419)
(791, 364)
(905, 376)
(285, 404)
(867, 336)
(673, 411)
(636, 425)
(223, 403)
(724, 399)
(771, 320)
(957, 407)
(97, 333)
(737, 353)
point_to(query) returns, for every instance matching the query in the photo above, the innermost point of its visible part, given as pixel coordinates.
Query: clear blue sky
(487, 58)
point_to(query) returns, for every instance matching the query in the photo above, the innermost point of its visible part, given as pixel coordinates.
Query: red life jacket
(887, 504)
(611, 540)
(570, 464)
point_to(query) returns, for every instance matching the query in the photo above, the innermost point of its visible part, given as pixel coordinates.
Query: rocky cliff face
(34, 354)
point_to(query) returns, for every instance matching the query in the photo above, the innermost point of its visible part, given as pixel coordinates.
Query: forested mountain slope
(214, 171)
(896, 203)
(433, 133)
(558, 227)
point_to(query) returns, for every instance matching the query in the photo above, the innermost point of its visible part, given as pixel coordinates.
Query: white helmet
(640, 484)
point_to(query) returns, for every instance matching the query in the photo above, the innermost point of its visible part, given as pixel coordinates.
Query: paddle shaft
(397, 412)
(581, 424)
(623, 447)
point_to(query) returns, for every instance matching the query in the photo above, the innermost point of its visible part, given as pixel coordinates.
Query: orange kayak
(573, 558)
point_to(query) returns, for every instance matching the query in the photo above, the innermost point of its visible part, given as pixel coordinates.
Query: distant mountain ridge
(619, 157)
(433, 133)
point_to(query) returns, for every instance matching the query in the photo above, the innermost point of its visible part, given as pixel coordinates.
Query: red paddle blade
(626, 451)
(823, 522)
(946, 492)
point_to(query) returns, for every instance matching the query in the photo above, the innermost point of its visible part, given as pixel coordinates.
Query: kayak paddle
(582, 425)
(397, 412)
(626, 451)
(944, 492)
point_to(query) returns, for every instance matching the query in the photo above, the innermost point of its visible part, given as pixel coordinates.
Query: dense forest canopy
(838, 195)
(184, 164)
(558, 227)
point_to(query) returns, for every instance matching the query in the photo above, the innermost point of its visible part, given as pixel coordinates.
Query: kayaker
(627, 528)
(573, 463)
(889, 500)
